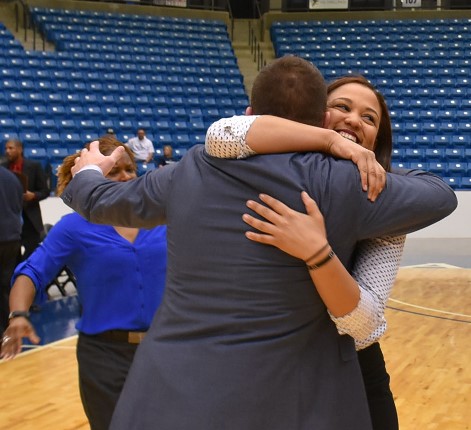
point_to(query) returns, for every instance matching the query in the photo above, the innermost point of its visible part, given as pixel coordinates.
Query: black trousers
(8, 258)
(103, 366)
(376, 378)
(30, 238)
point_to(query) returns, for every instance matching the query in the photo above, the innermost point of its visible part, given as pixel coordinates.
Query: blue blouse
(119, 284)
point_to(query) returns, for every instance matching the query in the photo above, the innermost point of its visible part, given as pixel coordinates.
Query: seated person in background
(117, 303)
(142, 147)
(168, 157)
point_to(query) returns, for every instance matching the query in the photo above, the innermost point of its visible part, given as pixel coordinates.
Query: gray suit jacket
(242, 340)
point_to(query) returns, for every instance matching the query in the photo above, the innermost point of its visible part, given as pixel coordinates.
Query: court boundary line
(429, 309)
(427, 315)
(31, 349)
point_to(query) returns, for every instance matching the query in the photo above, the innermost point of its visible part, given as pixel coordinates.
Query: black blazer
(37, 183)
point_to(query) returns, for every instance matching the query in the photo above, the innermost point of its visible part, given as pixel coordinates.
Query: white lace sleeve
(226, 138)
(375, 270)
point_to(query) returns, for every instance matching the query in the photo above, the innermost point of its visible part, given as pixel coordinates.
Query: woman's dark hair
(383, 144)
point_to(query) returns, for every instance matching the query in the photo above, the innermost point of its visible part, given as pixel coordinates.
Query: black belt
(122, 336)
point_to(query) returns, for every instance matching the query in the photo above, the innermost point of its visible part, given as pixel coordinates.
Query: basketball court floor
(427, 349)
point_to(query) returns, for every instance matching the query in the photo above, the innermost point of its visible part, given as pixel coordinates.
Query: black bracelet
(16, 314)
(316, 253)
(322, 262)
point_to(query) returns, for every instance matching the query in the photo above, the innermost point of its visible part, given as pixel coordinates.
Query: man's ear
(249, 111)
(326, 120)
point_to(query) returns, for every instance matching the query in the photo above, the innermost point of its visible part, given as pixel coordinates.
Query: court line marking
(31, 349)
(430, 309)
(427, 315)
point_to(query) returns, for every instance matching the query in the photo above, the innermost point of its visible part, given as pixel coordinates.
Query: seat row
(90, 16)
(432, 154)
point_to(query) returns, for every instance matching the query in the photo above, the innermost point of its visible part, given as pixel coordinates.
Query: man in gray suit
(242, 340)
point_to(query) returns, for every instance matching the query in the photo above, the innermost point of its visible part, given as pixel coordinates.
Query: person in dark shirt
(36, 189)
(11, 202)
(167, 157)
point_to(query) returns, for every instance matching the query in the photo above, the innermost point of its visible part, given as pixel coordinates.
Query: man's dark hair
(291, 88)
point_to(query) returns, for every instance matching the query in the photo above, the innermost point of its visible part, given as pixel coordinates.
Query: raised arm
(244, 136)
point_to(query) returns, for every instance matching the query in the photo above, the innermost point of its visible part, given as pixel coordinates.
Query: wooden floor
(427, 349)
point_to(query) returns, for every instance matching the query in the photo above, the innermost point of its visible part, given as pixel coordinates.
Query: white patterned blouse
(377, 260)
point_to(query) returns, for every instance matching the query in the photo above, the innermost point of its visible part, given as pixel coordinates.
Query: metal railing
(254, 44)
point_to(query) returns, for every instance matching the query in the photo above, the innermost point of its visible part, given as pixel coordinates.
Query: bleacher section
(423, 67)
(171, 76)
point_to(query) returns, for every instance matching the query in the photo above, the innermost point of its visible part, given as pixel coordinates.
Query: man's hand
(28, 196)
(373, 176)
(296, 233)
(94, 156)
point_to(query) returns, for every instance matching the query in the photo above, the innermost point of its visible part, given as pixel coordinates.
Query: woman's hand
(12, 337)
(300, 235)
(373, 175)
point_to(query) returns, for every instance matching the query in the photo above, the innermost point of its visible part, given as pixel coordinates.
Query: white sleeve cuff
(225, 138)
(361, 321)
(90, 167)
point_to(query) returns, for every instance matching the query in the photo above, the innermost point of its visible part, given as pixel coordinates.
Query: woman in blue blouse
(120, 275)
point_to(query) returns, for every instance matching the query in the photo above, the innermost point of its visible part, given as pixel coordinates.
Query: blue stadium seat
(163, 138)
(399, 165)
(145, 112)
(418, 165)
(181, 139)
(441, 141)
(454, 154)
(456, 169)
(9, 125)
(57, 154)
(438, 168)
(93, 111)
(50, 138)
(144, 167)
(398, 154)
(88, 136)
(466, 182)
(46, 125)
(197, 138)
(110, 112)
(413, 154)
(68, 125)
(145, 124)
(179, 152)
(32, 139)
(453, 182)
(434, 154)
(75, 111)
(72, 140)
(36, 153)
(162, 125)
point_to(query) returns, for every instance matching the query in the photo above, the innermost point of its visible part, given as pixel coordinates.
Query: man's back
(11, 202)
(242, 339)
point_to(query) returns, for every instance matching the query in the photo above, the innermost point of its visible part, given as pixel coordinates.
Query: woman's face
(355, 113)
(123, 170)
